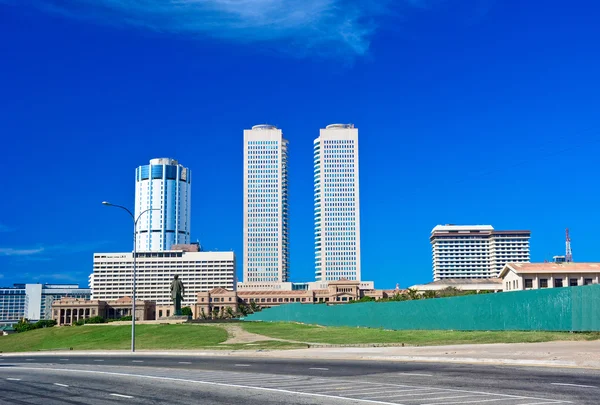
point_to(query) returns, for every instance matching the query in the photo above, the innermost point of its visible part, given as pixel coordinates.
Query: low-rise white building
(199, 271)
(462, 284)
(533, 276)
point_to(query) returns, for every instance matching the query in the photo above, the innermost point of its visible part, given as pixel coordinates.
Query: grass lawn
(109, 337)
(346, 335)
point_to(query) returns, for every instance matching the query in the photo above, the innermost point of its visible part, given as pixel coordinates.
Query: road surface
(151, 379)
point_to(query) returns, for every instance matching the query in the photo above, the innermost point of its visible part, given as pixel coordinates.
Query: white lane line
(121, 396)
(575, 385)
(319, 368)
(137, 361)
(185, 362)
(61, 385)
(152, 377)
(515, 397)
(416, 374)
(63, 359)
(13, 379)
(306, 394)
(242, 365)
(28, 359)
(468, 402)
(98, 360)
(460, 396)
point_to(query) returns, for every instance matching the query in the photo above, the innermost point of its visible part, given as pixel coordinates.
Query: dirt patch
(236, 335)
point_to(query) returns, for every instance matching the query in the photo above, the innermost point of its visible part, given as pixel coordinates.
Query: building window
(558, 282)
(528, 283)
(587, 281)
(160, 313)
(573, 282)
(543, 283)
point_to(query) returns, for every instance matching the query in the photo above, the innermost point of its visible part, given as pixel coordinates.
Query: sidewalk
(549, 354)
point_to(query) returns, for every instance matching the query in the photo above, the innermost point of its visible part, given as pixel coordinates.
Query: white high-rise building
(166, 185)
(475, 251)
(266, 238)
(337, 204)
(199, 271)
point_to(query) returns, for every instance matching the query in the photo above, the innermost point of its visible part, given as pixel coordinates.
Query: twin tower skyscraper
(266, 205)
(164, 186)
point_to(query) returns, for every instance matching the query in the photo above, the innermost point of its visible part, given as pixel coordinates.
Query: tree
(430, 294)
(186, 311)
(230, 313)
(254, 307)
(243, 309)
(413, 294)
(203, 314)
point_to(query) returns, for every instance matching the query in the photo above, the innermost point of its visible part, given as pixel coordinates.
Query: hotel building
(163, 184)
(477, 251)
(266, 235)
(199, 271)
(337, 204)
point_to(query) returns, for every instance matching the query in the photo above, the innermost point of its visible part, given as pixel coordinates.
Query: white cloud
(5, 228)
(337, 26)
(20, 252)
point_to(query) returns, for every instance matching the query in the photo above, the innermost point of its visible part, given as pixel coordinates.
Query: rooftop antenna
(568, 253)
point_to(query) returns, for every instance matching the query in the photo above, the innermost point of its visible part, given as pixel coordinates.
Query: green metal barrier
(551, 309)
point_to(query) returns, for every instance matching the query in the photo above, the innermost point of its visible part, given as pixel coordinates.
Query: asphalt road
(71, 379)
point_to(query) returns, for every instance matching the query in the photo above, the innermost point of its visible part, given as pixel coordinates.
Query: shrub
(186, 311)
(95, 319)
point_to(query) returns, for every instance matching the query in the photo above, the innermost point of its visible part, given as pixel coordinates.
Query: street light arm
(123, 208)
(142, 213)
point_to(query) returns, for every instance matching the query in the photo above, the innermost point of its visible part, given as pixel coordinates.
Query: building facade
(12, 304)
(335, 292)
(478, 251)
(165, 185)
(199, 271)
(337, 204)
(67, 311)
(533, 276)
(266, 233)
(33, 301)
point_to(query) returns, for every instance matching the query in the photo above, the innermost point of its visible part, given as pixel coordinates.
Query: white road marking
(185, 362)
(416, 374)
(28, 359)
(470, 402)
(151, 377)
(242, 365)
(13, 379)
(575, 385)
(319, 368)
(98, 360)
(61, 385)
(137, 361)
(63, 359)
(290, 391)
(121, 396)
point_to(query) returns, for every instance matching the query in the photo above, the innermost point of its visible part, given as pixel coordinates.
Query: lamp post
(135, 221)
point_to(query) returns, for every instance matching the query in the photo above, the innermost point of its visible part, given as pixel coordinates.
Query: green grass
(347, 335)
(110, 337)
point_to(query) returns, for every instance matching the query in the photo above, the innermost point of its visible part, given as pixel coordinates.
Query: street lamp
(135, 221)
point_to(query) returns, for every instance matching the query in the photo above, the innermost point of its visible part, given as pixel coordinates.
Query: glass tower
(337, 204)
(166, 185)
(266, 238)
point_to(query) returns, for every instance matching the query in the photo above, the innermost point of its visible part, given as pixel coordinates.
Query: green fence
(551, 309)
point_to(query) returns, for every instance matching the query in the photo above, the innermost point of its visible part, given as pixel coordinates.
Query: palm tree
(430, 294)
(413, 294)
(230, 313)
(254, 307)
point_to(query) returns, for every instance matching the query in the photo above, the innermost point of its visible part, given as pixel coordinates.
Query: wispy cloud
(19, 252)
(5, 228)
(50, 250)
(337, 26)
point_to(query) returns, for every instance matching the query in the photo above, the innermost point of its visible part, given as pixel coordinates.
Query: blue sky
(469, 112)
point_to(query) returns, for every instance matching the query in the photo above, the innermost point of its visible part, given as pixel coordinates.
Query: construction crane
(568, 253)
